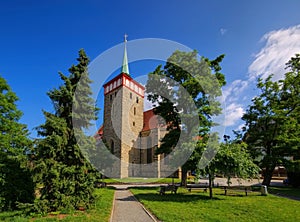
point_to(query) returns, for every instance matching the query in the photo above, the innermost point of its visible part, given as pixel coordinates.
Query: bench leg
(162, 191)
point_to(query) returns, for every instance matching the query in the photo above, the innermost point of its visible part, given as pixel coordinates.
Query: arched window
(149, 150)
(134, 111)
(112, 147)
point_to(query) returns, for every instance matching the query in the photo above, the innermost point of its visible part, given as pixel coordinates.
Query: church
(130, 133)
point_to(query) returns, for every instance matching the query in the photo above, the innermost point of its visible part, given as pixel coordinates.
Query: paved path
(127, 209)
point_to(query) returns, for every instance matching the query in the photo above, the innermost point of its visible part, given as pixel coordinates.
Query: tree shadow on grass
(168, 197)
(126, 199)
(174, 197)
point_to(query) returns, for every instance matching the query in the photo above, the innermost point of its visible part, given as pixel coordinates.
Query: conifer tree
(16, 184)
(67, 178)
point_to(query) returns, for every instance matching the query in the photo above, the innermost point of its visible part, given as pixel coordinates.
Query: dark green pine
(67, 178)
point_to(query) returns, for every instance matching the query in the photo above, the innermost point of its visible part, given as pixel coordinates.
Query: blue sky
(40, 38)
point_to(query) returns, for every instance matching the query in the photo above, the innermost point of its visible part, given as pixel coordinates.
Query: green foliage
(67, 178)
(293, 168)
(99, 211)
(15, 178)
(233, 159)
(272, 121)
(186, 82)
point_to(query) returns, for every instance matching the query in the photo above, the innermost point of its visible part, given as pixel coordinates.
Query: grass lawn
(196, 206)
(288, 191)
(100, 212)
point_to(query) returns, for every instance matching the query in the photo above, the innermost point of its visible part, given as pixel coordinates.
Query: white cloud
(232, 92)
(280, 46)
(233, 113)
(223, 31)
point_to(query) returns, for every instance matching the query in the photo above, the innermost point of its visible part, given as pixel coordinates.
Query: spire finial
(125, 68)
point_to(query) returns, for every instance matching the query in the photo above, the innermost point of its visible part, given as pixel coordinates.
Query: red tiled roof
(151, 120)
(99, 133)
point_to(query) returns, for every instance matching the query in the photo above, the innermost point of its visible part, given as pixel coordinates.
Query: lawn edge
(150, 214)
(113, 207)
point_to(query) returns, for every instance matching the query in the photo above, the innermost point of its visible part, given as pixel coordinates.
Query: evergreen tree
(16, 185)
(66, 176)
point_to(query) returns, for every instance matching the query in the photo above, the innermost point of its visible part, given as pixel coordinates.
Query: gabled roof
(151, 121)
(99, 133)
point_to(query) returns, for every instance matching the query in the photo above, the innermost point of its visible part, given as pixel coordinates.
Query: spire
(125, 68)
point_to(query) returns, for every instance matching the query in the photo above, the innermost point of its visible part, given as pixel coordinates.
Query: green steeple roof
(125, 68)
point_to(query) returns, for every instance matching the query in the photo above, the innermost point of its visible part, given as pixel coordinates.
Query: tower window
(149, 150)
(112, 147)
(110, 97)
(130, 95)
(115, 94)
(137, 99)
(133, 123)
(134, 111)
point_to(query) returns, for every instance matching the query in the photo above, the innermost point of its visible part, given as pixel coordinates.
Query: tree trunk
(268, 175)
(210, 183)
(183, 177)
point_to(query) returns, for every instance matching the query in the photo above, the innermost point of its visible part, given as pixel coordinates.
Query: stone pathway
(127, 209)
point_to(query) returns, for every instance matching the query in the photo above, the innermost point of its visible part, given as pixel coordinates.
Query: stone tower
(123, 117)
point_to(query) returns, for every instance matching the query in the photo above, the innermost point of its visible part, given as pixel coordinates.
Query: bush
(293, 173)
(16, 185)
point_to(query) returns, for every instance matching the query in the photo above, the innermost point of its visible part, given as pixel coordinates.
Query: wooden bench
(100, 184)
(170, 187)
(197, 186)
(246, 189)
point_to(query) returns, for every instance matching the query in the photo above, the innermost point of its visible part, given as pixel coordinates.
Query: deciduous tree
(272, 120)
(16, 185)
(184, 83)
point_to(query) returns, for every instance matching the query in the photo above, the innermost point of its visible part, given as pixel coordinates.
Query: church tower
(123, 117)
